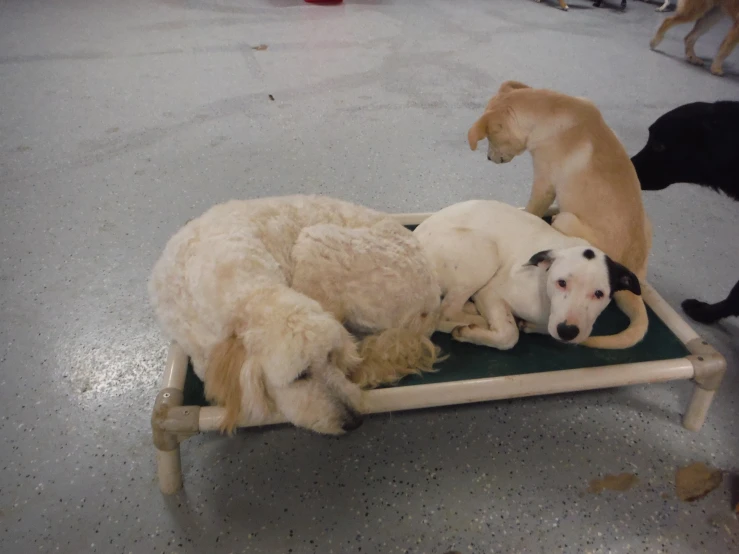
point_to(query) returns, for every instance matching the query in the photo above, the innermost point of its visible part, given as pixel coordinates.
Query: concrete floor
(121, 120)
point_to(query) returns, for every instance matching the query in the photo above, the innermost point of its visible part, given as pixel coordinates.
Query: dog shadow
(728, 74)
(615, 7)
(670, 8)
(553, 4)
(326, 3)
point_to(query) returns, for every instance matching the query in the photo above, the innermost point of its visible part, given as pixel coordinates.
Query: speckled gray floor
(121, 120)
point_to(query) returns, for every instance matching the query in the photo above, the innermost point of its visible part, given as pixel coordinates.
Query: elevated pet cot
(537, 365)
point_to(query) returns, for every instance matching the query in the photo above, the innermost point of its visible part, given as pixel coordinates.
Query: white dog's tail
(633, 306)
(391, 355)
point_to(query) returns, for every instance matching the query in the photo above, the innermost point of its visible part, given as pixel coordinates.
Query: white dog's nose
(567, 332)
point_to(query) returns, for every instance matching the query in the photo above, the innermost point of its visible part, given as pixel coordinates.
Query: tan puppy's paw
(654, 43)
(717, 70)
(695, 60)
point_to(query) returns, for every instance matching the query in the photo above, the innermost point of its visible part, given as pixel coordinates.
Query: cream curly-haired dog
(265, 295)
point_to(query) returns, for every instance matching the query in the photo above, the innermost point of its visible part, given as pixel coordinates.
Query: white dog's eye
(598, 294)
(562, 284)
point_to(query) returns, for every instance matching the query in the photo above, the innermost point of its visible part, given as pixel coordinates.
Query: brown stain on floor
(620, 482)
(695, 481)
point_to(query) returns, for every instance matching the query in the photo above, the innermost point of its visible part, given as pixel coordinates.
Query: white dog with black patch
(520, 273)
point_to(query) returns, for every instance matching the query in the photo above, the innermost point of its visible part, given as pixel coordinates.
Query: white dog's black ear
(542, 259)
(621, 278)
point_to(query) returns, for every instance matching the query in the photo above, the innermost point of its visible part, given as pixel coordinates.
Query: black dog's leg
(710, 313)
(623, 5)
(597, 3)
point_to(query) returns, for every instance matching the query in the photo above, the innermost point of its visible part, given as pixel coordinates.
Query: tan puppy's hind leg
(541, 198)
(569, 224)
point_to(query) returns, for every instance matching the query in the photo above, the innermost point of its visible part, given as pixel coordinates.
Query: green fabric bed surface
(532, 354)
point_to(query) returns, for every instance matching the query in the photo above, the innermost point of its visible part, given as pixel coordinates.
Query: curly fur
(262, 295)
(399, 348)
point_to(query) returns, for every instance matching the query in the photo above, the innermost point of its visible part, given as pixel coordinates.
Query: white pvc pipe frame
(474, 390)
(492, 388)
(512, 386)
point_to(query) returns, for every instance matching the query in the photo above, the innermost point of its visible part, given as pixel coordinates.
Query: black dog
(695, 143)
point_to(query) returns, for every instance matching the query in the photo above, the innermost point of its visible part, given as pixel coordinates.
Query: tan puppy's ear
(478, 131)
(508, 86)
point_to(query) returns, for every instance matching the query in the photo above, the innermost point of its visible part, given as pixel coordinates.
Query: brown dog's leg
(708, 20)
(732, 37)
(541, 198)
(563, 5)
(690, 12)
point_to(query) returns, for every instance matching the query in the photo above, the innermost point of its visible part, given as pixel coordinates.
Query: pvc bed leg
(169, 470)
(710, 367)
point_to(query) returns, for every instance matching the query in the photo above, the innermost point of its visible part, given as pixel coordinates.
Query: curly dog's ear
(508, 86)
(223, 379)
(228, 382)
(346, 357)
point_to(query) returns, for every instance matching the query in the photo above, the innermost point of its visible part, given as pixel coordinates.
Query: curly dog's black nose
(353, 421)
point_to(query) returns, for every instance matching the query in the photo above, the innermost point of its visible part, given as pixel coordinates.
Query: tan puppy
(579, 161)
(707, 13)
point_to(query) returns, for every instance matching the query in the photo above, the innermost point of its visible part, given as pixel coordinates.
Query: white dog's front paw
(531, 328)
(526, 326)
(463, 332)
(470, 308)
